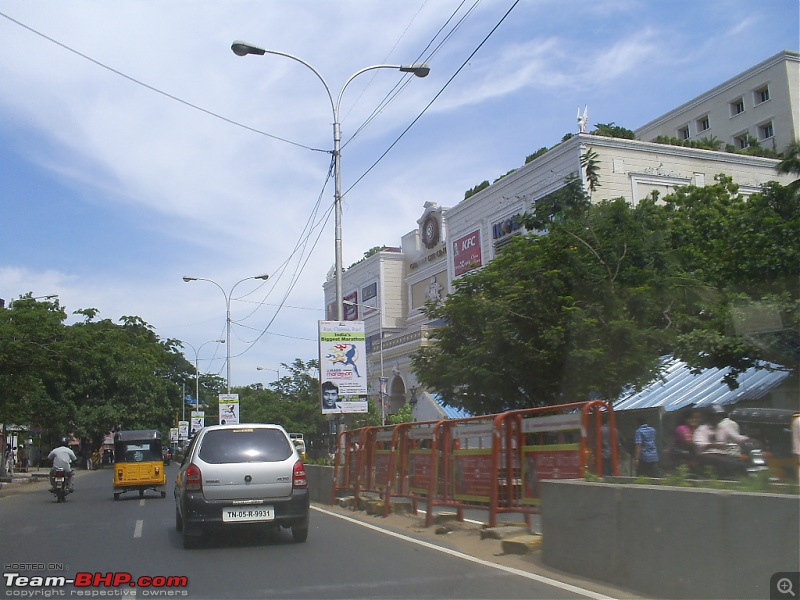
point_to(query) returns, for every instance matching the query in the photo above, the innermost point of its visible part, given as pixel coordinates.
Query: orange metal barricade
(492, 462)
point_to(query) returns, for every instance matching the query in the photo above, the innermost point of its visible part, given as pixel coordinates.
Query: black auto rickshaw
(772, 427)
(138, 462)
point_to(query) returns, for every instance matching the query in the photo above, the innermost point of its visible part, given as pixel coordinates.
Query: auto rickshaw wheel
(116, 496)
(163, 494)
(141, 493)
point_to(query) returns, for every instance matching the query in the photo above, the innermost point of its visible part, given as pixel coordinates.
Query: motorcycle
(753, 458)
(59, 484)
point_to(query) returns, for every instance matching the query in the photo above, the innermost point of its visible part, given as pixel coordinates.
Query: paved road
(348, 555)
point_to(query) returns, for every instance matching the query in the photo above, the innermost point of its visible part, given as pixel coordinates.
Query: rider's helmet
(63, 442)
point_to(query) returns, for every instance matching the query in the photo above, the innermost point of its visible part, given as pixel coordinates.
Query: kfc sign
(467, 253)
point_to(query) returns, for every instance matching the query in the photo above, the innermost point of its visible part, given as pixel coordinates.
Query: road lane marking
(533, 576)
(141, 502)
(137, 531)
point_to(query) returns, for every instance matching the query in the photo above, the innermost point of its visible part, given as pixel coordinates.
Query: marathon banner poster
(229, 409)
(343, 367)
(198, 421)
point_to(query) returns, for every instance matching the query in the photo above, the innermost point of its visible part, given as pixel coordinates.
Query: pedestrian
(646, 458)
(10, 458)
(22, 458)
(682, 452)
(796, 442)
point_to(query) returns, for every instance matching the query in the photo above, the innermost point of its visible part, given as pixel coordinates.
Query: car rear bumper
(199, 513)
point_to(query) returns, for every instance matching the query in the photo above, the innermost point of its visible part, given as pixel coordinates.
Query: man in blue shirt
(646, 458)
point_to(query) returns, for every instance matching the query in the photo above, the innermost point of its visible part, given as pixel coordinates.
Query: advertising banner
(553, 461)
(198, 421)
(183, 430)
(472, 470)
(467, 253)
(420, 464)
(228, 409)
(343, 367)
(173, 435)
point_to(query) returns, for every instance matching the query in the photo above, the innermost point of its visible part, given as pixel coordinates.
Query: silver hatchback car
(247, 475)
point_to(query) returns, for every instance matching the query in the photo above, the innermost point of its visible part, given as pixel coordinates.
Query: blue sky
(112, 187)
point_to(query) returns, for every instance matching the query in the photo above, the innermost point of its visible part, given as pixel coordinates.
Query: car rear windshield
(254, 444)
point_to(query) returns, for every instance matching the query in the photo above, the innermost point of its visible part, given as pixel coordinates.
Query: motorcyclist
(713, 441)
(63, 457)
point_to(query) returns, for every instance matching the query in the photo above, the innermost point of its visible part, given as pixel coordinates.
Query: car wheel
(190, 540)
(300, 532)
(178, 520)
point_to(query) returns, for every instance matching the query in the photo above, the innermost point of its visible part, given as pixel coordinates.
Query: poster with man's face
(343, 366)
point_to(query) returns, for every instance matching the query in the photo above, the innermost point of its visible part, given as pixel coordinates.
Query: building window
(742, 140)
(703, 124)
(761, 95)
(737, 107)
(683, 133)
(766, 131)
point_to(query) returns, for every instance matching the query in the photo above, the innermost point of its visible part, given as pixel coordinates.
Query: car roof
(243, 426)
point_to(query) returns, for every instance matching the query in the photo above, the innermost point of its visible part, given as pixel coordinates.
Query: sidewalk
(19, 482)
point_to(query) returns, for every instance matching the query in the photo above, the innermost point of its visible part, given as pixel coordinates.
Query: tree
(613, 130)
(293, 402)
(747, 251)
(87, 378)
(555, 318)
(791, 164)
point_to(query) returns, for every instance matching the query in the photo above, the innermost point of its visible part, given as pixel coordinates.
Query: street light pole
(380, 353)
(420, 70)
(197, 370)
(277, 371)
(228, 296)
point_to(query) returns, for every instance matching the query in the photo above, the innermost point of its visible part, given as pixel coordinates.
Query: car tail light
(194, 479)
(299, 475)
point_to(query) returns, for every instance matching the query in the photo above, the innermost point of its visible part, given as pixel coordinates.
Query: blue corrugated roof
(451, 412)
(679, 387)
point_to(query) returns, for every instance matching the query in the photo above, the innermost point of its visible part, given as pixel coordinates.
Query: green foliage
(591, 166)
(402, 416)
(86, 378)
(536, 154)
(471, 192)
(715, 144)
(293, 402)
(613, 130)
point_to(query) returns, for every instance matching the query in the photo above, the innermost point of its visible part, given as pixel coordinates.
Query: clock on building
(430, 231)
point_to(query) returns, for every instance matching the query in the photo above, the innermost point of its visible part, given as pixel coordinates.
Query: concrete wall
(670, 542)
(320, 483)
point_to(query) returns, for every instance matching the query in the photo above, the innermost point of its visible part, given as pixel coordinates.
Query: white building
(762, 104)
(388, 289)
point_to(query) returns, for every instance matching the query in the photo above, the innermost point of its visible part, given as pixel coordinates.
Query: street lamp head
(187, 279)
(241, 48)
(420, 70)
(265, 276)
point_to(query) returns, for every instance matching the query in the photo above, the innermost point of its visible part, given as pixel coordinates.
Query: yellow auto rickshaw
(138, 462)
